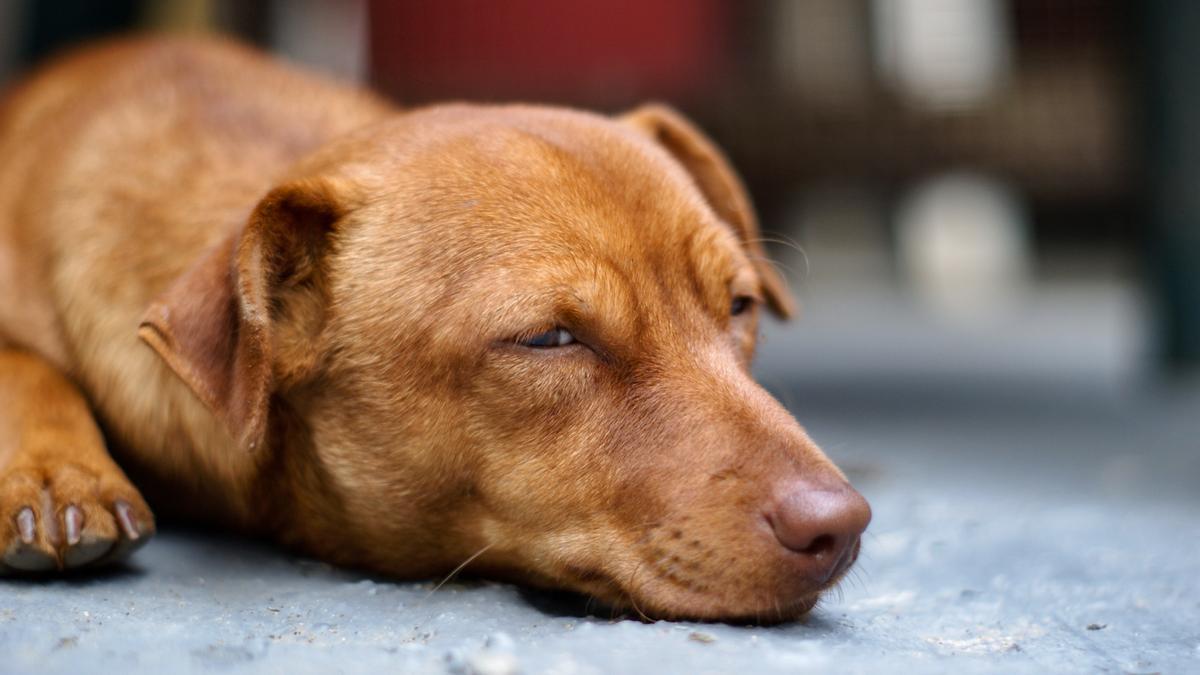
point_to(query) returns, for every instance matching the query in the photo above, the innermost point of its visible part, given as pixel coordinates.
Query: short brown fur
(298, 311)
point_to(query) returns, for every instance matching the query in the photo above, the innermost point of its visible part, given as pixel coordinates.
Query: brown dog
(516, 335)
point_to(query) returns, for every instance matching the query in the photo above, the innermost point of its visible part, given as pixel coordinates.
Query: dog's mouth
(615, 601)
(653, 593)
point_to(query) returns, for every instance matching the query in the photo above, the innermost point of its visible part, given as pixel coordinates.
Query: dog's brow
(591, 293)
(533, 306)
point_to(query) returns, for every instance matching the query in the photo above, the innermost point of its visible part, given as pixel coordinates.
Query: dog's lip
(764, 614)
(847, 559)
(608, 591)
(669, 604)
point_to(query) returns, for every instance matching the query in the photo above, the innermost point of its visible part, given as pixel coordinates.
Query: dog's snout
(820, 522)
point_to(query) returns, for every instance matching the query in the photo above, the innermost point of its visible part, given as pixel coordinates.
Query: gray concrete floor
(1033, 513)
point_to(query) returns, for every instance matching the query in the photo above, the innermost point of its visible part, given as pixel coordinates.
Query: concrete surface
(1025, 521)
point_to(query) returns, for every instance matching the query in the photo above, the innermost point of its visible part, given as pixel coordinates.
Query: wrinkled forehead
(541, 198)
(573, 174)
(536, 178)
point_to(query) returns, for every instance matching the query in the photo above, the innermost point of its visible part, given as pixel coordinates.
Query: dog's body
(122, 167)
(343, 312)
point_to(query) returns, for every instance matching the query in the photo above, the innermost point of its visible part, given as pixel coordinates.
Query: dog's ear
(243, 321)
(715, 178)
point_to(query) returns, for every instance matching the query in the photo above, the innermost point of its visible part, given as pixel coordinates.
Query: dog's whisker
(638, 609)
(633, 588)
(460, 568)
(791, 244)
(859, 579)
(785, 270)
(863, 572)
(777, 238)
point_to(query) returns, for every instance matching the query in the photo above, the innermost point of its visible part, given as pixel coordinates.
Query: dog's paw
(68, 516)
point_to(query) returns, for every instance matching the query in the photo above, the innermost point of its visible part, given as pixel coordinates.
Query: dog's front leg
(64, 503)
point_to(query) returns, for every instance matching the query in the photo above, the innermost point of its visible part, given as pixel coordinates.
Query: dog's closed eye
(555, 337)
(740, 305)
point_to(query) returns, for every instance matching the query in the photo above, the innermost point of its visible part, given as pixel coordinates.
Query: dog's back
(122, 129)
(120, 165)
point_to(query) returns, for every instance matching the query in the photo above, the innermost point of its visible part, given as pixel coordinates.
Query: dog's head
(521, 336)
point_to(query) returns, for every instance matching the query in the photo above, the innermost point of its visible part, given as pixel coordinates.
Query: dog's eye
(740, 305)
(555, 337)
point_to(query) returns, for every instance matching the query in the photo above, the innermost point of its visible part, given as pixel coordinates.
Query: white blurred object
(820, 51)
(963, 246)
(842, 228)
(329, 35)
(943, 54)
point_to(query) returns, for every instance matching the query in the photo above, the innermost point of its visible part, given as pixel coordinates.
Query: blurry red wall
(595, 51)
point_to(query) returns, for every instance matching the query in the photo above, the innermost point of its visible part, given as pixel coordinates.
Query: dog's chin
(657, 600)
(711, 609)
(615, 585)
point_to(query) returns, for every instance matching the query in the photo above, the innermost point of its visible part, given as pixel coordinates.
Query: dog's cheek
(546, 441)
(745, 341)
(515, 396)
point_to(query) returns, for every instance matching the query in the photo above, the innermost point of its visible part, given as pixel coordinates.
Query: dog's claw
(56, 523)
(80, 551)
(27, 525)
(136, 530)
(73, 524)
(27, 555)
(128, 522)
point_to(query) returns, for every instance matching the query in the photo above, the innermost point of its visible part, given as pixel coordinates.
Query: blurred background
(990, 213)
(985, 195)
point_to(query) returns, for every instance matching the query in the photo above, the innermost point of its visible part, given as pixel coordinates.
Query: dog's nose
(822, 522)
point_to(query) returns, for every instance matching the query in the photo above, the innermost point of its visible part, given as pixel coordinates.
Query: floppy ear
(720, 186)
(244, 319)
